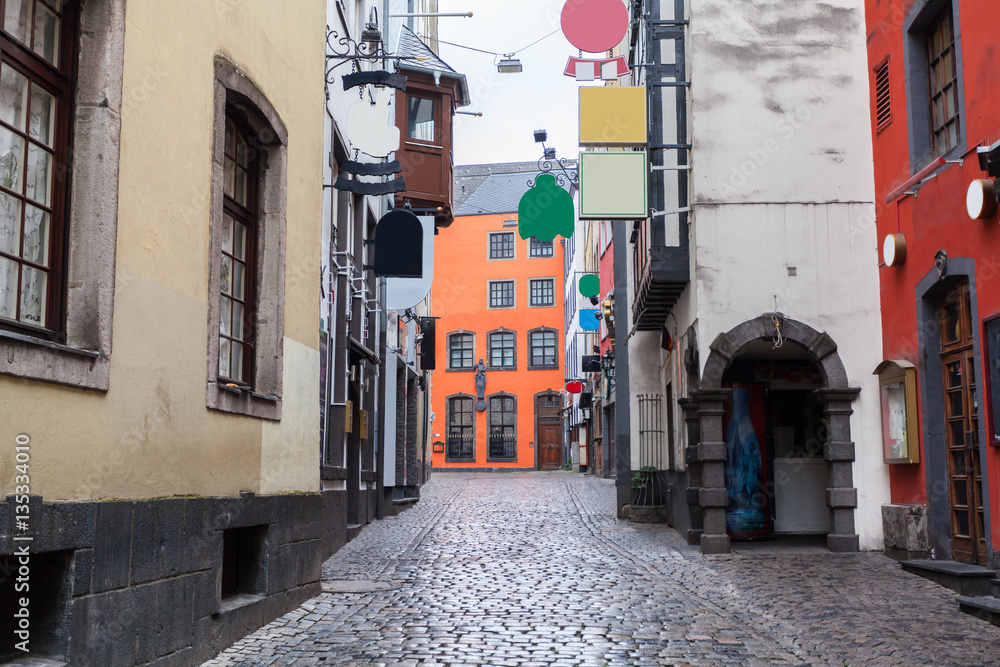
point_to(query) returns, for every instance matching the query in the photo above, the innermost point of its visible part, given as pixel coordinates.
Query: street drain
(353, 586)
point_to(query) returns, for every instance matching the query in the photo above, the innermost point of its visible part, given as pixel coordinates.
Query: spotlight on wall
(894, 250)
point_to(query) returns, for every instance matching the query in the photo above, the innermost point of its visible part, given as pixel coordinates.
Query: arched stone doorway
(708, 496)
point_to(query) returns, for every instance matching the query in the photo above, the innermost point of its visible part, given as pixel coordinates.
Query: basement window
(49, 590)
(244, 565)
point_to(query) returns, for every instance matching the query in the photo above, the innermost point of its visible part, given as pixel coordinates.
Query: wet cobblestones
(534, 569)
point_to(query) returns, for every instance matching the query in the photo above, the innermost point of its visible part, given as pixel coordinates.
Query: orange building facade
(500, 301)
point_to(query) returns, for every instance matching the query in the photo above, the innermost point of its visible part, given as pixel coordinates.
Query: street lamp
(509, 64)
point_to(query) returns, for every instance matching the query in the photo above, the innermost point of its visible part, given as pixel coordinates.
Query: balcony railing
(661, 274)
(503, 447)
(461, 448)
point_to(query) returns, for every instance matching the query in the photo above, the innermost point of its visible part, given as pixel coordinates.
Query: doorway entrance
(776, 476)
(548, 428)
(961, 411)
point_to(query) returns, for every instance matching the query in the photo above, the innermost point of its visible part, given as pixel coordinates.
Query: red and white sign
(574, 65)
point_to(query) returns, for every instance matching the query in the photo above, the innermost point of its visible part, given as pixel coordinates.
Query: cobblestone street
(534, 569)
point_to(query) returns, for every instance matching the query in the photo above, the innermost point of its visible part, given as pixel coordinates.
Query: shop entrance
(961, 411)
(776, 476)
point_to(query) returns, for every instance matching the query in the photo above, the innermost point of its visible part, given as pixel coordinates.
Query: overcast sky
(513, 105)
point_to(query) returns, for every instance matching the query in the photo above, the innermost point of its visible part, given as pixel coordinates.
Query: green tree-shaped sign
(546, 210)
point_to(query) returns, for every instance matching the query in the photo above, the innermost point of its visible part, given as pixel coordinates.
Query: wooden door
(965, 480)
(548, 425)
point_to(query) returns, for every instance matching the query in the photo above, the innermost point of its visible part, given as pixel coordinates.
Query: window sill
(503, 460)
(543, 368)
(234, 602)
(448, 460)
(34, 358)
(66, 349)
(459, 370)
(501, 368)
(243, 401)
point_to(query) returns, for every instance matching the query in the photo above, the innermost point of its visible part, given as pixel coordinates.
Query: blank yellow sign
(612, 116)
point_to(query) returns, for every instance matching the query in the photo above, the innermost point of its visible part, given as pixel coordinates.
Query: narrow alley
(534, 569)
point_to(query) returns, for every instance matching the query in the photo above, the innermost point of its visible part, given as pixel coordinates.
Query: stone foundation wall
(140, 582)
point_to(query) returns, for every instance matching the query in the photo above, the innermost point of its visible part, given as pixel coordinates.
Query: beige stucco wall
(151, 434)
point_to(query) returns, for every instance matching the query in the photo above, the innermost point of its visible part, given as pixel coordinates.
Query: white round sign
(979, 201)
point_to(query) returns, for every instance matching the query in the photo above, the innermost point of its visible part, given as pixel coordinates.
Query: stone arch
(818, 346)
(708, 496)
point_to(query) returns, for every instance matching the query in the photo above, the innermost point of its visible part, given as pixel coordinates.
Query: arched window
(461, 349)
(461, 437)
(543, 350)
(502, 349)
(246, 284)
(502, 437)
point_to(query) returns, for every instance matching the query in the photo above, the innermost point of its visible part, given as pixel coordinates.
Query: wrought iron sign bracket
(549, 162)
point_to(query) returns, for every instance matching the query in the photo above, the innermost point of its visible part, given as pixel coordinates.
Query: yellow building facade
(186, 185)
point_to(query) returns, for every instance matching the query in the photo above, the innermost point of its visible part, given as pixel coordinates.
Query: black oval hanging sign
(399, 245)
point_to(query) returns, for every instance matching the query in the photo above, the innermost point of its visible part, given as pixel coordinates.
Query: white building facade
(753, 305)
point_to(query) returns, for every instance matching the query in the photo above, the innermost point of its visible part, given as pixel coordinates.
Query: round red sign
(594, 25)
(574, 387)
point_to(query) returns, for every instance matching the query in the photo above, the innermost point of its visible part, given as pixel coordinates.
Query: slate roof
(411, 47)
(485, 189)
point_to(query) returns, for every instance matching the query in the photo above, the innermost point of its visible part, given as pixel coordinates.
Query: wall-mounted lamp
(894, 250)
(509, 65)
(371, 35)
(541, 136)
(980, 199)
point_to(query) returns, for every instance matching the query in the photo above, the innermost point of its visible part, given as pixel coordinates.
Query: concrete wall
(781, 183)
(782, 203)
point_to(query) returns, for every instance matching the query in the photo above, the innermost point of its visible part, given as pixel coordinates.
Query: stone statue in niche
(480, 386)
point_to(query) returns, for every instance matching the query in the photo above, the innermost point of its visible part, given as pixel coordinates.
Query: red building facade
(935, 124)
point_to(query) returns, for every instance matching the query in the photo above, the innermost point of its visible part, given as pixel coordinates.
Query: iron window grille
(542, 349)
(538, 248)
(543, 292)
(502, 349)
(460, 350)
(942, 76)
(502, 245)
(502, 294)
(503, 429)
(461, 445)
